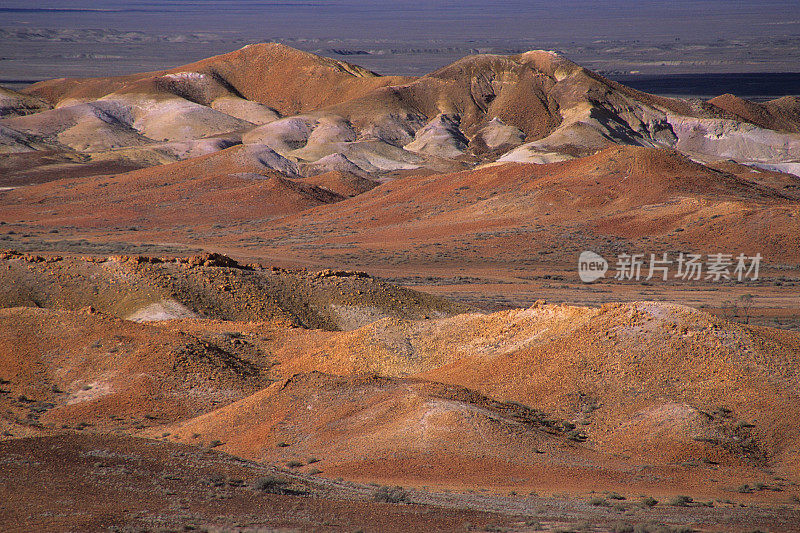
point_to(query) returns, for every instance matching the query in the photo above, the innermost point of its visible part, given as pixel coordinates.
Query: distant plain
(623, 39)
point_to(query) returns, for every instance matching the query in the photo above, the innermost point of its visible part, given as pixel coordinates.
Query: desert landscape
(273, 290)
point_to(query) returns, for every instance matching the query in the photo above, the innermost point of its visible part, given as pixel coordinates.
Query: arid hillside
(620, 199)
(209, 286)
(598, 391)
(531, 107)
(270, 290)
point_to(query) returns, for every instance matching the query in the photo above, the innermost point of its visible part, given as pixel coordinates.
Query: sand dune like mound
(782, 114)
(624, 193)
(243, 109)
(497, 135)
(175, 119)
(645, 198)
(82, 127)
(15, 142)
(656, 381)
(13, 103)
(343, 183)
(239, 183)
(441, 137)
(659, 383)
(517, 398)
(264, 73)
(380, 426)
(210, 286)
(284, 135)
(42, 166)
(332, 163)
(81, 369)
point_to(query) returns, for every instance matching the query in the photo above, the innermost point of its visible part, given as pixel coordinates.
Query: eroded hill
(534, 107)
(208, 286)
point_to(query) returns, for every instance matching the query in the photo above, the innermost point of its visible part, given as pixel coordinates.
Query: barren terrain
(275, 290)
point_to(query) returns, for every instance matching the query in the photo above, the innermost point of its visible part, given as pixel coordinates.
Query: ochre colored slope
(64, 369)
(782, 114)
(643, 199)
(283, 78)
(658, 382)
(642, 383)
(233, 184)
(369, 427)
(209, 286)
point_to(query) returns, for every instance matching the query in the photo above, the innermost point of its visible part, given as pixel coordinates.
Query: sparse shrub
(598, 502)
(680, 501)
(312, 460)
(283, 445)
(314, 471)
(659, 528)
(577, 435)
(271, 484)
(294, 464)
(649, 501)
(534, 524)
(614, 496)
(216, 480)
(390, 495)
(214, 443)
